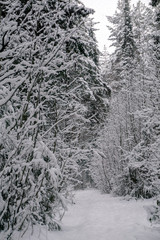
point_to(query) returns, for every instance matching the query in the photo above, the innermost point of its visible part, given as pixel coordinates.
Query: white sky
(102, 9)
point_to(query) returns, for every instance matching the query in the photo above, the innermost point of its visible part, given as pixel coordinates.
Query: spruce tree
(120, 126)
(143, 166)
(128, 148)
(50, 85)
(143, 160)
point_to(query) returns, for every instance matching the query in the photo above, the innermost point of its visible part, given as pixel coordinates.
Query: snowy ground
(102, 217)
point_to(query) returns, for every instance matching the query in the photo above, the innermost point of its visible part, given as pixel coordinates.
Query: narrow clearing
(102, 217)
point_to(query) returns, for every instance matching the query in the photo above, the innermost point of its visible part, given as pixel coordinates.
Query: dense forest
(72, 117)
(127, 155)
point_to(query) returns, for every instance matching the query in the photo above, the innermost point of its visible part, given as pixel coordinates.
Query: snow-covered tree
(29, 173)
(144, 158)
(50, 93)
(120, 133)
(152, 121)
(129, 146)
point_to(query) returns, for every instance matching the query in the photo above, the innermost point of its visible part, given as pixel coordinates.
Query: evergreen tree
(128, 148)
(141, 176)
(152, 123)
(120, 137)
(143, 160)
(49, 88)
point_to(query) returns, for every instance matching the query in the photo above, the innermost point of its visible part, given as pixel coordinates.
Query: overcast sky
(102, 9)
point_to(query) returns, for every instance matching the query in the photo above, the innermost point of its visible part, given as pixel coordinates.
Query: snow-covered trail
(102, 217)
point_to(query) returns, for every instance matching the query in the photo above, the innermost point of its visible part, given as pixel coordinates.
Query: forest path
(98, 216)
